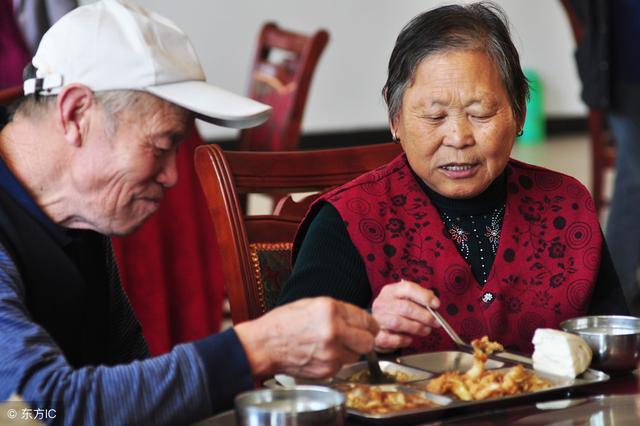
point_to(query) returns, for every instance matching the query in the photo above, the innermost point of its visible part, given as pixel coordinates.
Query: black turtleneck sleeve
(328, 264)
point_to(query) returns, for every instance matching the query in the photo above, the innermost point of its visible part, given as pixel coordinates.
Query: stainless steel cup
(296, 406)
(614, 340)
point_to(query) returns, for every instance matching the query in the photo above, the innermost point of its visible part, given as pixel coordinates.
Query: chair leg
(596, 129)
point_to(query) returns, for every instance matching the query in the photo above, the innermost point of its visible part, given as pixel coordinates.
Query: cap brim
(213, 104)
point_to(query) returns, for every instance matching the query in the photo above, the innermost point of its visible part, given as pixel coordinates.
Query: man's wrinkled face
(122, 174)
(456, 124)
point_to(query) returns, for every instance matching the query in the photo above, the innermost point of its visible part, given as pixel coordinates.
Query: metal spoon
(376, 376)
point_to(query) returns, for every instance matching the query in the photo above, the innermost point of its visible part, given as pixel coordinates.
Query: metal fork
(376, 376)
(503, 356)
(450, 331)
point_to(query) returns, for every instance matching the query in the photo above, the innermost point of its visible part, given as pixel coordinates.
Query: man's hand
(310, 338)
(400, 311)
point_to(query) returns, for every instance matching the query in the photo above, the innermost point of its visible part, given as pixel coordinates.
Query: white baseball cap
(116, 45)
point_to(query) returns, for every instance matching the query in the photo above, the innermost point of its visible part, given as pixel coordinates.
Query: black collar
(19, 193)
(492, 198)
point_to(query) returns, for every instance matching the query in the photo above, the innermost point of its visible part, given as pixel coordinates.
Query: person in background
(609, 67)
(499, 246)
(35, 17)
(14, 53)
(22, 23)
(89, 153)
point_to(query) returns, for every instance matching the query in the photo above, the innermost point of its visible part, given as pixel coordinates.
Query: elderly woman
(499, 246)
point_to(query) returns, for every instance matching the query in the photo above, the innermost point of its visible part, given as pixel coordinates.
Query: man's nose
(168, 175)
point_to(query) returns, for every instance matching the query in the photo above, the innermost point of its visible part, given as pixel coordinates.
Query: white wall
(345, 93)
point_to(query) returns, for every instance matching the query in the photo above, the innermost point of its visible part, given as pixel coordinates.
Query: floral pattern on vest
(545, 267)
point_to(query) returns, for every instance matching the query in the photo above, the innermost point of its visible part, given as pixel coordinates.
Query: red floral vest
(545, 267)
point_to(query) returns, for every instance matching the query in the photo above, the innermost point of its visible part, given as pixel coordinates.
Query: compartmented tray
(439, 362)
(420, 368)
(436, 363)
(391, 368)
(402, 372)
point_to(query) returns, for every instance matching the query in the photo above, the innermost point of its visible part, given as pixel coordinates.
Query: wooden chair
(283, 66)
(7, 97)
(603, 152)
(253, 275)
(10, 94)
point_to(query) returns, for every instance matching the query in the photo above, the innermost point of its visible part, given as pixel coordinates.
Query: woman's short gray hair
(479, 26)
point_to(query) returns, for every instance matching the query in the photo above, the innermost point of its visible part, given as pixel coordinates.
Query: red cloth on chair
(170, 267)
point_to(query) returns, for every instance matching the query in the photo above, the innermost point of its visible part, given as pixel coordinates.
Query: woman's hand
(400, 311)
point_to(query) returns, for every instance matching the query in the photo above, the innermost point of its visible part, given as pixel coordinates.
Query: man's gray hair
(112, 102)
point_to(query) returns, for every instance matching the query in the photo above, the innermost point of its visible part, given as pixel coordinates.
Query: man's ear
(73, 106)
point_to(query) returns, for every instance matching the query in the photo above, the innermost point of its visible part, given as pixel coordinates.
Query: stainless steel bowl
(299, 405)
(615, 340)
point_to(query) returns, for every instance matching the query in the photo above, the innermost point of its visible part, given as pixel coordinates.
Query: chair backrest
(252, 274)
(10, 94)
(283, 66)
(7, 97)
(603, 153)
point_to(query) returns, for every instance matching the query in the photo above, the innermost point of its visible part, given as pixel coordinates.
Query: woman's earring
(395, 138)
(520, 133)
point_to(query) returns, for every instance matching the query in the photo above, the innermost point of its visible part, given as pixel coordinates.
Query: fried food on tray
(482, 348)
(362, 376)
(478, 383)
(382, 399)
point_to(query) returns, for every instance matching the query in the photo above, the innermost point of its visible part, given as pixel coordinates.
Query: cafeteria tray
(422, 367)
(439, 362)
(343, 376)
(389, 367)
(436, 362)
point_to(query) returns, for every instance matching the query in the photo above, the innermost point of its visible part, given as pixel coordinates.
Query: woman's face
(456, 124)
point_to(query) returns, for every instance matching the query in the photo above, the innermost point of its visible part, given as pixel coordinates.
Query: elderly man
(89, 153)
